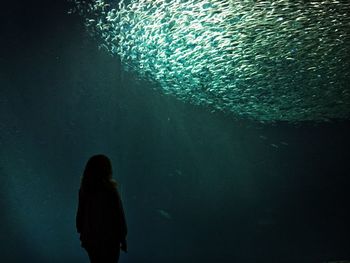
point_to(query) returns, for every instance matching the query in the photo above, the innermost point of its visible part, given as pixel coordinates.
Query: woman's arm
(79, 216)
(123, 225)
(122, 220)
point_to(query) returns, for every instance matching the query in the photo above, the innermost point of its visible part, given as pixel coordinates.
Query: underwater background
(197, 185)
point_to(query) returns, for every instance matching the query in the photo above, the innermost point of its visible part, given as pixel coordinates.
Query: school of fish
(283, 60)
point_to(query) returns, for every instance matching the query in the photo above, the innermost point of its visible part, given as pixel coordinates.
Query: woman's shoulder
(109, 191)
(112, 190)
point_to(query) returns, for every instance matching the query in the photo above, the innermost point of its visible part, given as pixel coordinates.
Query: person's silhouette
(100, 219)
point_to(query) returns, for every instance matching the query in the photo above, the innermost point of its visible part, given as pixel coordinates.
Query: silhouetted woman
(100, 218)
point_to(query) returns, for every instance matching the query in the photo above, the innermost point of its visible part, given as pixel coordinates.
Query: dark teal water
(196, 186)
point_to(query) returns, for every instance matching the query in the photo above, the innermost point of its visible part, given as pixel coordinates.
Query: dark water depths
(196, 186)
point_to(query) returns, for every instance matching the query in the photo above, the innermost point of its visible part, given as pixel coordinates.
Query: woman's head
(97, 173)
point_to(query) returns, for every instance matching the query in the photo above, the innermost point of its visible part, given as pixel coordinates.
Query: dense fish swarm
(263, 60)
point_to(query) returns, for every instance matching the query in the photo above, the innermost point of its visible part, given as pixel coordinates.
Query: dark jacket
(100, 218)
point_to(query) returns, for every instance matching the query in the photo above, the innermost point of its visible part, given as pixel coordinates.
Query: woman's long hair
(98, 174)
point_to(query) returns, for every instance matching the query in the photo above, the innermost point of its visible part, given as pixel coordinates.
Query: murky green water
(207, 170)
